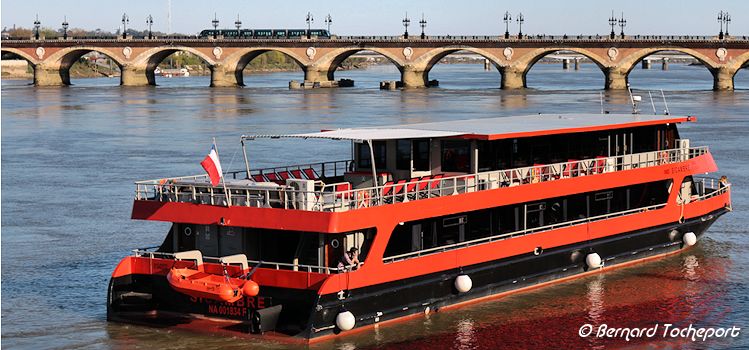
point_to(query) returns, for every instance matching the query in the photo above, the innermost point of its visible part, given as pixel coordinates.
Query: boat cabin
(390, 165)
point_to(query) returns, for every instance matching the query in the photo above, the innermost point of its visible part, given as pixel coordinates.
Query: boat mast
(244, 152)
(372, 159)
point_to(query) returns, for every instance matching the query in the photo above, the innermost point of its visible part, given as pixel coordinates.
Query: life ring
(362, 199)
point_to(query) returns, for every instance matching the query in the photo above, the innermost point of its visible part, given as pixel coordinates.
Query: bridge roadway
(414, 58)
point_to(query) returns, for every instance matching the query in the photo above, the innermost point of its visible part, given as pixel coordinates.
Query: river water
(70, 156)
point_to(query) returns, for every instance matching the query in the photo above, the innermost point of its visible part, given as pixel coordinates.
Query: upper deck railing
(317, 195)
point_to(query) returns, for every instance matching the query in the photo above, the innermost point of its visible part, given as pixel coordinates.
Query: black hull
(305, 315)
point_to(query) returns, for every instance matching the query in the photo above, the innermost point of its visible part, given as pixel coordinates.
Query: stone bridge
(414, 58)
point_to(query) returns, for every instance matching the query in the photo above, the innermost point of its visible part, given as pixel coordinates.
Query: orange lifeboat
(215, 287)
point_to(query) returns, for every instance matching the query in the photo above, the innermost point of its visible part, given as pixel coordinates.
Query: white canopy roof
(367, 134)
(492, 128)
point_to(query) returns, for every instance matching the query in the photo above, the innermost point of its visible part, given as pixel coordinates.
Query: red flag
(212, 166)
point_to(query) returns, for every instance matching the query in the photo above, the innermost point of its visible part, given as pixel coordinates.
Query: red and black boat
(441, 214)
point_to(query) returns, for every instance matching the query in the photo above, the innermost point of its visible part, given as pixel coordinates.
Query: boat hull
(307, 315)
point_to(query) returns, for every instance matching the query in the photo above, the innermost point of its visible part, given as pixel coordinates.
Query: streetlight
(36, 27)
(622, 24)
(65, 27)
(520, 19)
(328, 22)
(507, 19)
(720, 20)
(406, 23)
(727, 19)
(149, 22)
(238, 24)
(310, 19)
(423, 24)
(125, 22)
(215, 25)
(612, 23)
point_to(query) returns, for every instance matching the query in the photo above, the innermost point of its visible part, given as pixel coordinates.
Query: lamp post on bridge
(728, 21)
(65, 25)
(406, 23)
(612, 23)
(507, 19)
(309, 21)
(723, 17)
(214, 22)
(238, 24)
(36, 27)
(520, 19)
(125, 22)
(328, 22)
(149, 22)
(622, 24)
(423, 24)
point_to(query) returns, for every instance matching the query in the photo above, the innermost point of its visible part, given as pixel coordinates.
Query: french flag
(212, 166)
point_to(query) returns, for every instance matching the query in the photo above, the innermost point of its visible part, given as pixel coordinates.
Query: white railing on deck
(151, 254)
(328, 197)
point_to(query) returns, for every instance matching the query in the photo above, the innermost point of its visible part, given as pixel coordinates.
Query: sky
(383, 17)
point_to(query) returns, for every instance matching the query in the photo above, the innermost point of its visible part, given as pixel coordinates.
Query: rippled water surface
(70, 156)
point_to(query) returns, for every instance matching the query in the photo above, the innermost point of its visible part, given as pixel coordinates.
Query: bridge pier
(512, 78)
(50, 76)
(615, 79)
(223, 77)
(723, 78)
(313, 75)
(135, 76)
(414, 78)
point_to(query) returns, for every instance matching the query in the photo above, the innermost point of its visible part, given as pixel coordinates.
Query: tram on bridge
(264, 33)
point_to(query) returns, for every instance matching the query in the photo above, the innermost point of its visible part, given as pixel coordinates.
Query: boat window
(534, 215)
(403, 155)
(421, 155)
(380, 152)
(456, 156)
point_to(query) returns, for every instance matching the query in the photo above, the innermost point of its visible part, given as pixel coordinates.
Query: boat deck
(283, 187)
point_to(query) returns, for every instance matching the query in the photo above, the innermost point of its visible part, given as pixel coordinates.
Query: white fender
(345, 321)
(463, 283)
(689, 239)
(593, 260)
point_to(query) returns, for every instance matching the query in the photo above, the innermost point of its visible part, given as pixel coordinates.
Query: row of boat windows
(278, 246)
(512, 153)
(447, 230)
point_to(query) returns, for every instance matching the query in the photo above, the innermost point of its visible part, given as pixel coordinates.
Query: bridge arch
(629, 62)
(32, 61)
(327, 65)
(146, 62)
(239, 60)
(428, 60)
(61, 61)
(516, 74)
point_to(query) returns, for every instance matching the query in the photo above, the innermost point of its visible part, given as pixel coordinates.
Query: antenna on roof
(651, 102)
(667, 112)
(634, 100)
